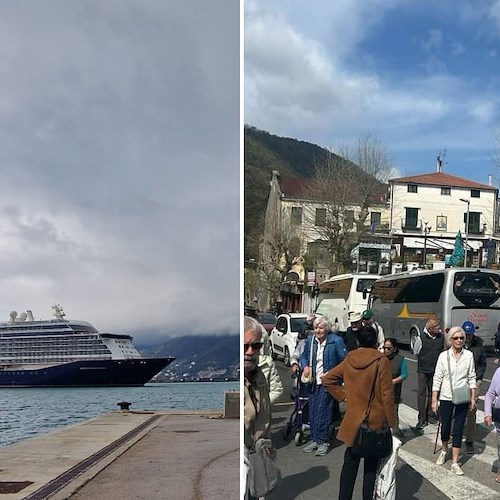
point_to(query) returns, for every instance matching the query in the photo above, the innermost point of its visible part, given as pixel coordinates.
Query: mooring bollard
(232, 404)
(124, 405)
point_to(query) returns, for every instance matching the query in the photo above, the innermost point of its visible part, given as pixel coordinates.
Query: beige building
(427, 211)
(299, 224)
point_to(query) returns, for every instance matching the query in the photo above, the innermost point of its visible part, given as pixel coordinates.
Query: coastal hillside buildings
(411, 222)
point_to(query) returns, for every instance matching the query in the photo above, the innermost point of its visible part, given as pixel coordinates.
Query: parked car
(267, 320)
(284, 335)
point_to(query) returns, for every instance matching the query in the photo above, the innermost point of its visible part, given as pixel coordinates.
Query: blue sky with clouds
(423, 76)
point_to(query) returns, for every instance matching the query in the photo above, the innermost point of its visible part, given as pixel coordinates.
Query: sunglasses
(458, 338)
(255, 346)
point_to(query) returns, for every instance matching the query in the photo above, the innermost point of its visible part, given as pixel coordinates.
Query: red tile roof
(441, 179)
(294, 187)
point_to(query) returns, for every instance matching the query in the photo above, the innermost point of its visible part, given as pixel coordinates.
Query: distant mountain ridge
(199, 357)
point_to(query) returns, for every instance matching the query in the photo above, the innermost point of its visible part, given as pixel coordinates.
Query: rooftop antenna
(439, 161)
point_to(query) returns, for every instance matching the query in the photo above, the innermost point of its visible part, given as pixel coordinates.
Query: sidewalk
(128, 455)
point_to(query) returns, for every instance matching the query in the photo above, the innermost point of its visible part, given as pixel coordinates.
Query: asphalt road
(306, 476)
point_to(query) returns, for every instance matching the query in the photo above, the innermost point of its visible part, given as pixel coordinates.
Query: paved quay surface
(128, 455)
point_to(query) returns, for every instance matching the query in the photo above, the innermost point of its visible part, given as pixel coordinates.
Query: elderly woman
(322, 351)
(454, 370)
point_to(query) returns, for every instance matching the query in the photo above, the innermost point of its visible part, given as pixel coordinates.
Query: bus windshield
(476, 289)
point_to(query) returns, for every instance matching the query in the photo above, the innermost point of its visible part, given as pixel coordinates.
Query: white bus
(342, 294)
(402, 302)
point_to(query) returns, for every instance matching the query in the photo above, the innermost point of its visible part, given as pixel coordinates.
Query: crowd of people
(338, 368)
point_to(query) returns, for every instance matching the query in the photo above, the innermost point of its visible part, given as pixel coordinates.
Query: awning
(438, 243)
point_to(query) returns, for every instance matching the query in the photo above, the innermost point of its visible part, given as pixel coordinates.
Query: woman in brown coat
(357, 372)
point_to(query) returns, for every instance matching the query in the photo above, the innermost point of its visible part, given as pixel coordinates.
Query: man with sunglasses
(257, 405)
(427, 347)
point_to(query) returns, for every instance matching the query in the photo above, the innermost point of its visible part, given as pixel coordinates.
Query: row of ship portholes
(9, 373)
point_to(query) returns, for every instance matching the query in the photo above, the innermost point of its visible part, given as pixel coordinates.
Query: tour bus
(402, 302)
(342, 294)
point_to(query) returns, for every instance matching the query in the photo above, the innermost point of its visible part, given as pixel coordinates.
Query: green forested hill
(264, 153)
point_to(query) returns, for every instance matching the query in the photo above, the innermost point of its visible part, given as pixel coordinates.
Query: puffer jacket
(357, 372)
(335, 351)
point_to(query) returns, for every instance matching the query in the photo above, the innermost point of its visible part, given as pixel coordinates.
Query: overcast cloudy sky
(421, 75)
(119, 162)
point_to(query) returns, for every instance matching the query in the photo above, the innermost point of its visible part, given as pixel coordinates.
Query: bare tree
(280, 250)
(343, 188)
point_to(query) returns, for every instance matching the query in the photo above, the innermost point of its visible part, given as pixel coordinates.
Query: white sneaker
(456, 469)
(310, 447)
(441, 459)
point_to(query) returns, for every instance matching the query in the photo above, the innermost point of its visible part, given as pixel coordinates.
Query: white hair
(321, 320)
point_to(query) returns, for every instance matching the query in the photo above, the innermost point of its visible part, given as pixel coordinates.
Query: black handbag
(495, 414)
(372, 443)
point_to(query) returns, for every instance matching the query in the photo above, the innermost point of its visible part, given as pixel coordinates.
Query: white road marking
(455, 487)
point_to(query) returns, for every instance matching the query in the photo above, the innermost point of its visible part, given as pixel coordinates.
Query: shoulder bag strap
(311, 353)
(372, 394)
(449, 370)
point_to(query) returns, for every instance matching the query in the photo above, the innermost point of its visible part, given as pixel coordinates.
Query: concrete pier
(191, 455)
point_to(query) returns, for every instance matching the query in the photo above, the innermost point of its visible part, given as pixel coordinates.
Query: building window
(411, 219)
(441, 223)
(317, 251)
(375, 220)
(296, 216)
(446, 191)
(295, 247)
(412, 188)
(320, 219)
(349, 219)
(474, 220)
(475, 193)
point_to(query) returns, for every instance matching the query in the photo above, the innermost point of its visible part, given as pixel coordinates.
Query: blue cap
(469, 328)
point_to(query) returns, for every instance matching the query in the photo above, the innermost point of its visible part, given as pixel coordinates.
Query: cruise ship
(68, 353)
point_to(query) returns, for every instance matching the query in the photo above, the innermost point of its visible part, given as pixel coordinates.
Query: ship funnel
(13, 315)
(30, 315)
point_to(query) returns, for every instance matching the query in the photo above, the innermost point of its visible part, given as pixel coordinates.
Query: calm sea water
(29, 412)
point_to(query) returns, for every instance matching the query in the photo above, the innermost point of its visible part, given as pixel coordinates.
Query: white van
(341, 294)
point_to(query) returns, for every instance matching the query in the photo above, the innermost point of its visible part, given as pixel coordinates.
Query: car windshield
(267, 318)
(298, 324)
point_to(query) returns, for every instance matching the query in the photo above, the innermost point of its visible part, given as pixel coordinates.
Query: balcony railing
(476, 231)
(411, 225)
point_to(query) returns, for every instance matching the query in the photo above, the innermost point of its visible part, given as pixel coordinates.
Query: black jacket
(476, 346)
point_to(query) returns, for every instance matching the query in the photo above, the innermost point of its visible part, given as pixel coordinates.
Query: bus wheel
(286, 359)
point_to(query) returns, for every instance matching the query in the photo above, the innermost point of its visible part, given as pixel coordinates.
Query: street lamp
(466, 230)
(427, 230)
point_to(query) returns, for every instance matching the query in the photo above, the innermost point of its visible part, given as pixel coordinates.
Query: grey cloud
(119, 153)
